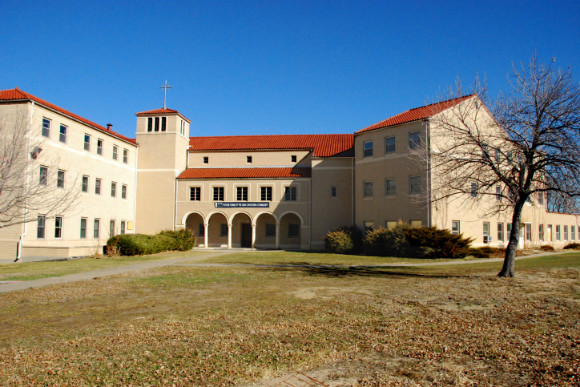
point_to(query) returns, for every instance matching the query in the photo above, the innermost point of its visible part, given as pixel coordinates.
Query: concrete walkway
(187, 261)
(89, 275)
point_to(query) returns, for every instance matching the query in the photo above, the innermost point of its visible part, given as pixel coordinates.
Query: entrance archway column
(277, 234)
(253, 235)
(230, 226)
(206, 235)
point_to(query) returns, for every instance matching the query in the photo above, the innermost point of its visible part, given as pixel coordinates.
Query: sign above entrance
(242, 204)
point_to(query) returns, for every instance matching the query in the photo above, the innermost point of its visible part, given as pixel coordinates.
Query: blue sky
(272, 67)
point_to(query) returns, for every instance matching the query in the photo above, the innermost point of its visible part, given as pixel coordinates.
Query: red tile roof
(157, 111)
(18, 95)
(246, 173)
(416, 114)
(322, 145)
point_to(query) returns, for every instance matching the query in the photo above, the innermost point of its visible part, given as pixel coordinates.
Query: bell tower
(163, 138)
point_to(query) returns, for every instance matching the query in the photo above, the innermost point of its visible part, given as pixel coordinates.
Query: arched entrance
(241, 230)
(217, 230)
(266, 232)
(290, 231)
(194, 223)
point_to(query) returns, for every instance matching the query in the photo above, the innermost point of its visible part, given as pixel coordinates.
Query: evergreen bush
(573, 245)
(140, 244)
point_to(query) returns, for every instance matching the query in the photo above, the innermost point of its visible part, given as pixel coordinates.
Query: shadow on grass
(369, 271)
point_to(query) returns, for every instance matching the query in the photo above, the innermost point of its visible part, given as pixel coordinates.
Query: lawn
(343, 326)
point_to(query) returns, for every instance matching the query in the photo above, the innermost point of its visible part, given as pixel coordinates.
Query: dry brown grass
(223, 326)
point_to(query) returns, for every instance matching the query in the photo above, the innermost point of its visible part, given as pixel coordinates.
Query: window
(97, 186)
(455, 227)
(541, 198)
(150, 124)
(248, 159)
(509, 157)
(270, 230)
(195, 193)
(40, 223)
(83, 228)
(414, 140)
(497, 156)
(566, 232)
(290, 194)
(206, 160)
(115, 152)
(242, 194)
(484, 153)
(390, 224)
(157, 124)
(96, 227)
(45, 127)
(508, 228)
(124, 191)
(122, 227)
(473, 190)
(87, 142)
(500, 232)
(293, 230)
(182, 128)
(62, 135)
(368, 225)
(486, 238)
(223, 230)
(541, 232)
(43, 177)
(414, 185)
(266, 193)
(100, 147)
(113, 189)
(111, 228)
(85, 184)
(528, 231)
(163, 124)
(367, 148)
(557, 232)
(390, 146)
(293, 158)
(573, 233)
(333, 191)
(201, 230)
(218, 193)
(390, 187)
(367, 189)
(498, 192)
(125, 156)
(550, 235)
(60, 179)
(58, 227)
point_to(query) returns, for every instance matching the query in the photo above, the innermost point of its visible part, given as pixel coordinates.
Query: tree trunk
(510, 253)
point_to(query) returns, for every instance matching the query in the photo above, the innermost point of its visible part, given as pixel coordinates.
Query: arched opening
(194, 223)
(290, 231)
(266, 232)
(217, 230)
(241, 230)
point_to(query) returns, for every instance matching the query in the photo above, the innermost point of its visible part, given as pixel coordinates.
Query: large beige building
(268, 192)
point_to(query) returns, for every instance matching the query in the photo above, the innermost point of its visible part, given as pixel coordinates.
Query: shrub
(183, 239)
(421, 242)
(481, 252)
(546, 248)
(574, 245)
(140, 244)
(339, 242)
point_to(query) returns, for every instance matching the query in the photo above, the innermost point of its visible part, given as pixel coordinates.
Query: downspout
(19, 244)
(428, 172)
(135, 189)
(352, 198)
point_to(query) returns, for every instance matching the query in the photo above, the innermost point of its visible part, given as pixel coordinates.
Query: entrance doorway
(246, 237)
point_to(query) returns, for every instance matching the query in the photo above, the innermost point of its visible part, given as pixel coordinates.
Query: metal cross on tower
(165, 87)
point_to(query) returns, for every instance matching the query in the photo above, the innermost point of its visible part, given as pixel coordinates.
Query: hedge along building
(279, 191)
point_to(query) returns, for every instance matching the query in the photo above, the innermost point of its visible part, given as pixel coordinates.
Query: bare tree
(27, 189)
(529, 146)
